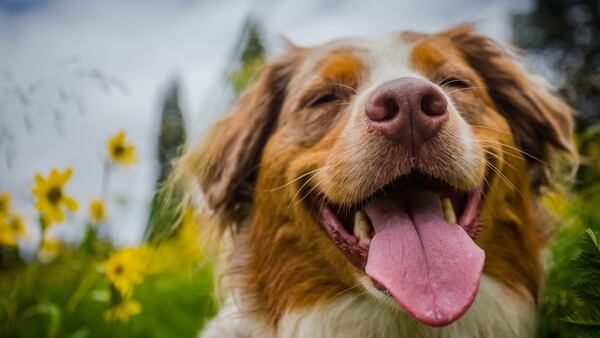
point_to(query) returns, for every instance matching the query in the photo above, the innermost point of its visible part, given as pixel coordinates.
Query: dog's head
(405, 165)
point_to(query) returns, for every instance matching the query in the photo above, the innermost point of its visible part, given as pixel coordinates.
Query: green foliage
(246, 74)
(253, 48)
(251, 59)
(67, 298)
(573, 270)
(588, 289)
(566, 36)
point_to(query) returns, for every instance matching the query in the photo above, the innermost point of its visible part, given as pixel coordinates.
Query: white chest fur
(496, 312)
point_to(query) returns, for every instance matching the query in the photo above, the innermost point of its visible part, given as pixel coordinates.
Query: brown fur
(523, 122)
(258, 163)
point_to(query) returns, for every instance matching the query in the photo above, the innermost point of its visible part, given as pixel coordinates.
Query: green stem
(90, 231)
(43, 227)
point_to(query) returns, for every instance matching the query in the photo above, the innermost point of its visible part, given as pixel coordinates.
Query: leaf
(53, 312)
(592, 235)
(587, 290)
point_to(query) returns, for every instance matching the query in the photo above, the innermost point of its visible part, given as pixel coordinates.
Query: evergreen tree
(251, 58)
(163, 218)
(172, 131)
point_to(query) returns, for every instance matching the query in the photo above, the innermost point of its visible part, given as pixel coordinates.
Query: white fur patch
(496, 312)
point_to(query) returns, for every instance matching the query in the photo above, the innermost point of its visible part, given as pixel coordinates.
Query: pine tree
(251, 59)
(172, 136)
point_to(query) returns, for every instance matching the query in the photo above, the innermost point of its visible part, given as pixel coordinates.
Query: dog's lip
(337, 221)
(348, 243)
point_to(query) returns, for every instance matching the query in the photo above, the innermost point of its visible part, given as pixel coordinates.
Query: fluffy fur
(497, 312)
(258, 164)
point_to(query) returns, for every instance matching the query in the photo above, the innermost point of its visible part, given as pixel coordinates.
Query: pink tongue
(430, 267)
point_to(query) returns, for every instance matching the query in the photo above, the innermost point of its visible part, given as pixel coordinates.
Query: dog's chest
(497, 312)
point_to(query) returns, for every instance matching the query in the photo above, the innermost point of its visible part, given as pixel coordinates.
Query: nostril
(391, 109)
(433, 104)
(382, 109)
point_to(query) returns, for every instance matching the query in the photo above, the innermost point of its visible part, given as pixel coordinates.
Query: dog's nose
(408, 110)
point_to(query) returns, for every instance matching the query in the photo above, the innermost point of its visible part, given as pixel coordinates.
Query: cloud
(60, 48)
(143, 44)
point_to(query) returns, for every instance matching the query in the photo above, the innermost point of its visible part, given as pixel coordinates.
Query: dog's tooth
(361, 228)
(449, 214)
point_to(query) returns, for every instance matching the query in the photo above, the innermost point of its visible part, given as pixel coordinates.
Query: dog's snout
(408, 110)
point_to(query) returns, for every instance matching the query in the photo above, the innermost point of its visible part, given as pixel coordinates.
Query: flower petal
(57, 215)
(70, 203)
(66, 175)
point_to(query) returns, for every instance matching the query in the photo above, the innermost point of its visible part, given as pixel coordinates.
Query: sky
(73, 73)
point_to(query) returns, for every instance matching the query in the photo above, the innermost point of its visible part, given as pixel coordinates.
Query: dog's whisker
(498, 172)
(346, 86)
(292, 202)
(485, 179)
(491, 128)
(498, 147)
(498, 157)
(313, 188)
(503, 177)
(341, 293)
(292, 181)
(442, 80)
(515, 149)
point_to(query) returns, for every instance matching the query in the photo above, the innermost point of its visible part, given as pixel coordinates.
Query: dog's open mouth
(415, 239)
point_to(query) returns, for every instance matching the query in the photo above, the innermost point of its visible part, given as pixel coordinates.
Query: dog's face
(402, 167)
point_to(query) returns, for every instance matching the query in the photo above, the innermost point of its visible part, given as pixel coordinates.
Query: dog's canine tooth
(448, 209)
(361, 228)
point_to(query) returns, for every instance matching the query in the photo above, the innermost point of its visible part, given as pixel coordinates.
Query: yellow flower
(50, 197)
(125, 268)
(7, 237)
(189, 234)
(11, 227)
(4, 205)
(555, 203)
(17, 225)
(121, 152)
(123, 311)
(49, 249)
(97, 211)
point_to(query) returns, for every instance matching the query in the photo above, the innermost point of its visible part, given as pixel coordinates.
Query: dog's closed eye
(322, 99)
(326, 97)
(455, 82)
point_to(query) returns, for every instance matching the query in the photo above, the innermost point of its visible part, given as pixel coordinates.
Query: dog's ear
(225, 164)
(541, 123)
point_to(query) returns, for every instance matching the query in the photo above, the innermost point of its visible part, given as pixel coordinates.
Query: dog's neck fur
(496, 312)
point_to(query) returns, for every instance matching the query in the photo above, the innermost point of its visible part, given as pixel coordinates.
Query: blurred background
(98, 97)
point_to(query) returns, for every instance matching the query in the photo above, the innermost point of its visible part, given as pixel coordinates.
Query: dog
(384, 187)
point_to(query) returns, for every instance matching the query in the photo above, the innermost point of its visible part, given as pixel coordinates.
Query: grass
(68, 297)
